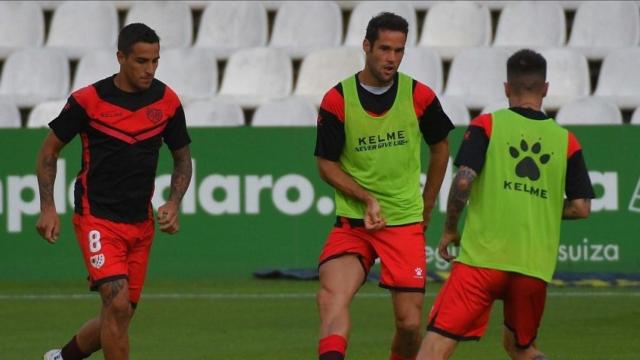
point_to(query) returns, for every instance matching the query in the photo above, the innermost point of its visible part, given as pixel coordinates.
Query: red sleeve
(483, 121)
(574, 145)
(333, 103)
(422, 97)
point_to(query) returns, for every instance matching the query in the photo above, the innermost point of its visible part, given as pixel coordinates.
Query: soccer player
(370, 128)
(122, 121)
(515, 167)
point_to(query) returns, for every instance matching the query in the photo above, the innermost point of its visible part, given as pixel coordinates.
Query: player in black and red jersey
(122, 121)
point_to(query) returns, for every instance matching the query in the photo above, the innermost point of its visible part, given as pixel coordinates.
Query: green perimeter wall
(256, 201)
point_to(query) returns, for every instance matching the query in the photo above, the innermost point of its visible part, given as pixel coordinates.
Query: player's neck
(122, 84)
(366, 77)
(533, 103)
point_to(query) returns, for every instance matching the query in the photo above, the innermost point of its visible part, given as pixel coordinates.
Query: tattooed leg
(114, 319)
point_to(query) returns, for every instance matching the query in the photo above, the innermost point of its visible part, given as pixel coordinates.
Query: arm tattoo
(458, 196)
(111, 290)
(181, 175)
(46, 179)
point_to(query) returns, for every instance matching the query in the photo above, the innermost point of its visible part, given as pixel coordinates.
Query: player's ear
(507, 89)
(545, 88)
(366, 45)
(121, 57)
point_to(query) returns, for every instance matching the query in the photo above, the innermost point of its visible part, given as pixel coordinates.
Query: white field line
(263, 296)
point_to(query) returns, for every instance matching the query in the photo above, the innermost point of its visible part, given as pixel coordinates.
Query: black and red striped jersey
(473, 151)
(434, 124)
(121, 135)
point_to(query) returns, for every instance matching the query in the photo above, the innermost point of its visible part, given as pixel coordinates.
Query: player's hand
(48, 225)
(373, 219)
(447, 239)
(168, 218)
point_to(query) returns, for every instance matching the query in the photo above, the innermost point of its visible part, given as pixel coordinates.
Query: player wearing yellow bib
(370, 129)
(516, 166)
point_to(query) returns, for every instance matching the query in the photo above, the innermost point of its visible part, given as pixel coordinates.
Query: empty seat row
(257, 75)
(304, 26)
(296, 111)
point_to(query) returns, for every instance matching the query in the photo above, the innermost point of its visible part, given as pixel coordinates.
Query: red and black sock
(71, 351)
(332, 347)
(398, 357)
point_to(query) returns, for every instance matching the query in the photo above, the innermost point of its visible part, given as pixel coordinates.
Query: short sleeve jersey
(434, 124)
(121, 135)
(476, 139)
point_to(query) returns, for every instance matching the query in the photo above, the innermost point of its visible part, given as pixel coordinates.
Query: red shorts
(461, 310)
(115, 251)
(401, 250)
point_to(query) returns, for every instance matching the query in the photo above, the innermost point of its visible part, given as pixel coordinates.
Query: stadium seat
(170, 19)
(9, 115)
(227, 26)
(589, 111)
(292, 111)
(424, 65)
(33, 75)
(619, 79)
(211, 113)
(364, 11)
(192, 73)
(95, 66)
(49, 5)
(43, 113)
(602, 26)
(568, 77)
(635, 118)
(452, 26)
(21, 25)
(78, 27)
(323, 69)
(255, 76)
(477, 75)
(455, 109)
(303, 26)
(531, 24)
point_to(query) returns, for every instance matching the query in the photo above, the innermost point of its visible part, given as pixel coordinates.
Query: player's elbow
(583, 209)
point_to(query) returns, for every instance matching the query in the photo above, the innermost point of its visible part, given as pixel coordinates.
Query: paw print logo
(527, 167)
(418, 272)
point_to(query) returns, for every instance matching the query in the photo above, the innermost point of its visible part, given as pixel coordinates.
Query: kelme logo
(528, 167)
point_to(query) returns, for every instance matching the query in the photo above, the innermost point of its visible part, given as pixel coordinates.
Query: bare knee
(115, 302)
(408, 325)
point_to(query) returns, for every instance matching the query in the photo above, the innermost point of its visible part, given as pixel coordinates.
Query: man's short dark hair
(385, 21)
(526, 70)
(135, 33)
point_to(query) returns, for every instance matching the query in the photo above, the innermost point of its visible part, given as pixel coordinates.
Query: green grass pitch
(274, 319)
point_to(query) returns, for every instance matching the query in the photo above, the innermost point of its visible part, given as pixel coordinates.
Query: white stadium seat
(635, 118)
(455, 109)
(21, 25)
(170, 19)
(531, 24)
(477, 75)
(323, 69)
(303, 26)
(452, 26)
(602, 26)
(192, 73)
(211, 113)
(568, 76)
(31, 76)
(292, 111)
(589, 111)
(227, 26)
(9, 115)
(364, 11)
(619, 79)
(424, 65)
(255, 76)
(95, 66)
(43, 113)
(78, 27)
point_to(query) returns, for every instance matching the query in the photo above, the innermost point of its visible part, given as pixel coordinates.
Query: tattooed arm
(458, 196)
(180, 179)
(48, 224)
